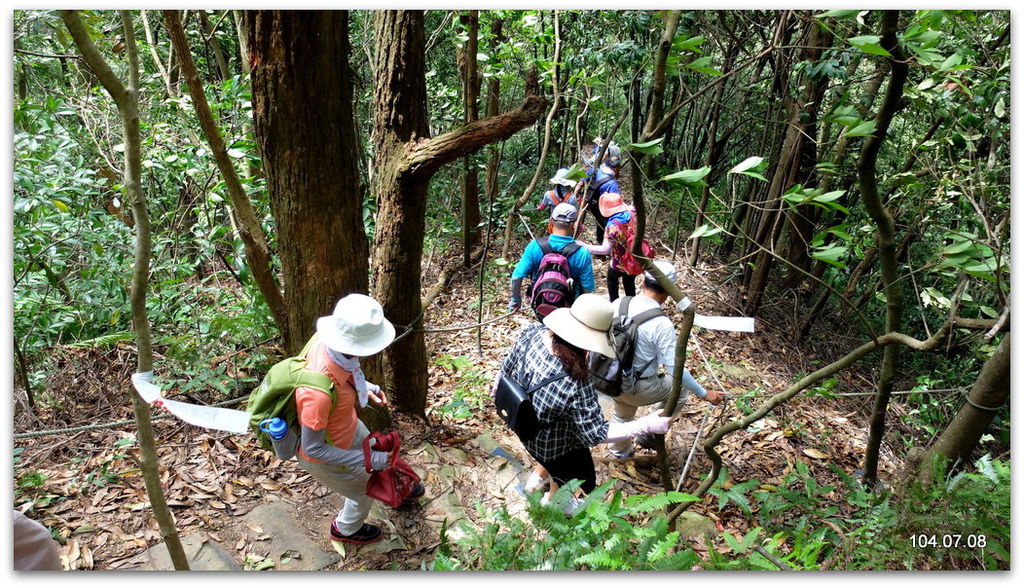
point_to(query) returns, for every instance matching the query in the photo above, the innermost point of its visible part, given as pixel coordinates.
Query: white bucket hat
(585, 324)
(357, 327)
(666, 268)
(559, 178)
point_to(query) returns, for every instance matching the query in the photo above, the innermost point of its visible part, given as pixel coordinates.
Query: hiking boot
(646, 441)
(535, 482)
(366, 534)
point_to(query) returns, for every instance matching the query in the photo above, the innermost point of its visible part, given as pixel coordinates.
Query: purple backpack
(553, 287)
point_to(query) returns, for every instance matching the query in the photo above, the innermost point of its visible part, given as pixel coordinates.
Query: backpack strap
(624, 306)
(597, 185)
(545, 246)
(569, 249)
(638, 320)
(545, 383)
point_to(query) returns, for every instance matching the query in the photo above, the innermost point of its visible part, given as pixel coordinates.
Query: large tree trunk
(248, 223)
(885, 237)
(470, 93)
(405, 160)
(127, 100)
(990, 391)
(302, 110)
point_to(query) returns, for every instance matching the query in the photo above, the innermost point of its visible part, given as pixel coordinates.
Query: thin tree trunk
(885, 236)
(242, 32)
(545, 144)
(151, 42)
(126, 99)
(211, 40)
(470, 185)
(257, 251)
(989, 393)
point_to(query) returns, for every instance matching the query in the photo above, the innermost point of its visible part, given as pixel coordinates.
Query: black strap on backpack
(635, 323)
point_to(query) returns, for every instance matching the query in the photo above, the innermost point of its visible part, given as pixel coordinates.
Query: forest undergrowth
(791, 477)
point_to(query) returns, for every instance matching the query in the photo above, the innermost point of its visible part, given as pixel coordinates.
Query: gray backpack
(607, 373)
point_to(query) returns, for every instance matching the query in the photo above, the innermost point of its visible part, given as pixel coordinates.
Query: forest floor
(88, 488)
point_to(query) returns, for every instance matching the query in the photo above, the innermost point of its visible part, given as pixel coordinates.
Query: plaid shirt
(568, 411)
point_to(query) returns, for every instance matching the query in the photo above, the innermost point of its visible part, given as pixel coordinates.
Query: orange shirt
(314, 407)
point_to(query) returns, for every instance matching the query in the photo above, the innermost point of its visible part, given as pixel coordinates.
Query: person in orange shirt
(332, 435)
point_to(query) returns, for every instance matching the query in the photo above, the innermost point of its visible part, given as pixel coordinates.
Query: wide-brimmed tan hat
(559, 178)
(610, 203)
(666, 268)
(585, 324)
(357, 327)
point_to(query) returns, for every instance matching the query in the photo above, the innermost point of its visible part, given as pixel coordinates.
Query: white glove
(379, 460)
(652, 423)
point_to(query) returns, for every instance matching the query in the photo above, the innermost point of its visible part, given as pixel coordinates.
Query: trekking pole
(693, 448)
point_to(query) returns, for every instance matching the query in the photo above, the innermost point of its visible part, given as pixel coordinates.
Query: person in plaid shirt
(571, 421)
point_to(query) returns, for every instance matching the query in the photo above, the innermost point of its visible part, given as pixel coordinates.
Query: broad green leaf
(61, 206)
(690, 44)
(690, 177)
(747, 164)
(840, 14)
(649, 148)
(951, 62)
(864, 129)
(831, 255)
(576, 172)
(869, 44)
(705, 231)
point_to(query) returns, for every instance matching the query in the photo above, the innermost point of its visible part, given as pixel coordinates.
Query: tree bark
(988, 394)
(470, 94)
(151, 43)
(257, 251)
(211, 40)
(885, 236)
(305, 129)
(406, 158)
(127, 102)
(242, 32)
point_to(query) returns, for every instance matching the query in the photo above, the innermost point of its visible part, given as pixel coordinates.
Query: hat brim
(563, 181)
(330, 337)
(610, 210)
(566, 326)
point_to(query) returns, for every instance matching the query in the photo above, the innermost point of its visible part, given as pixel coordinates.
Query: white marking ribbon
(210, 417)
(737, 324)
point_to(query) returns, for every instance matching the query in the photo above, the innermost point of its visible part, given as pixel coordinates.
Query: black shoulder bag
(515, 406)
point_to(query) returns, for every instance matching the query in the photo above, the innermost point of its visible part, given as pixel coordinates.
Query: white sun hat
(357, 327)
(666, 268)
(585, 324)
(559, 178)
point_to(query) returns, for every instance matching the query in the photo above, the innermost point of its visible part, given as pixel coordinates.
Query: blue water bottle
(284, 439)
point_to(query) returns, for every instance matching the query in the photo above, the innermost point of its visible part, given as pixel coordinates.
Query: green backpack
(275, 396)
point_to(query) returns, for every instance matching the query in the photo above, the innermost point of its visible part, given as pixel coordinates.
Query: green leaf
(951, 62)
(705, 231)
(754, 162)
(576, 172)
(690, 44)
(869, 44)
(864, 129)
(61, 206)
(649, 148)
(689, 177)
(840, 14)
(235, 153)
(831, 255)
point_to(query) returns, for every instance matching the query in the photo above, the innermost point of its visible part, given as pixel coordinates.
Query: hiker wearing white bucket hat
(331, 432)
(571, 421)
(654, 347)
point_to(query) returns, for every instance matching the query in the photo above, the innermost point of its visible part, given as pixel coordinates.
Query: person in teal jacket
(580, 265)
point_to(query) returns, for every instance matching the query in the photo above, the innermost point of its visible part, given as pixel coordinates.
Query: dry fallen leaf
(812, 452)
